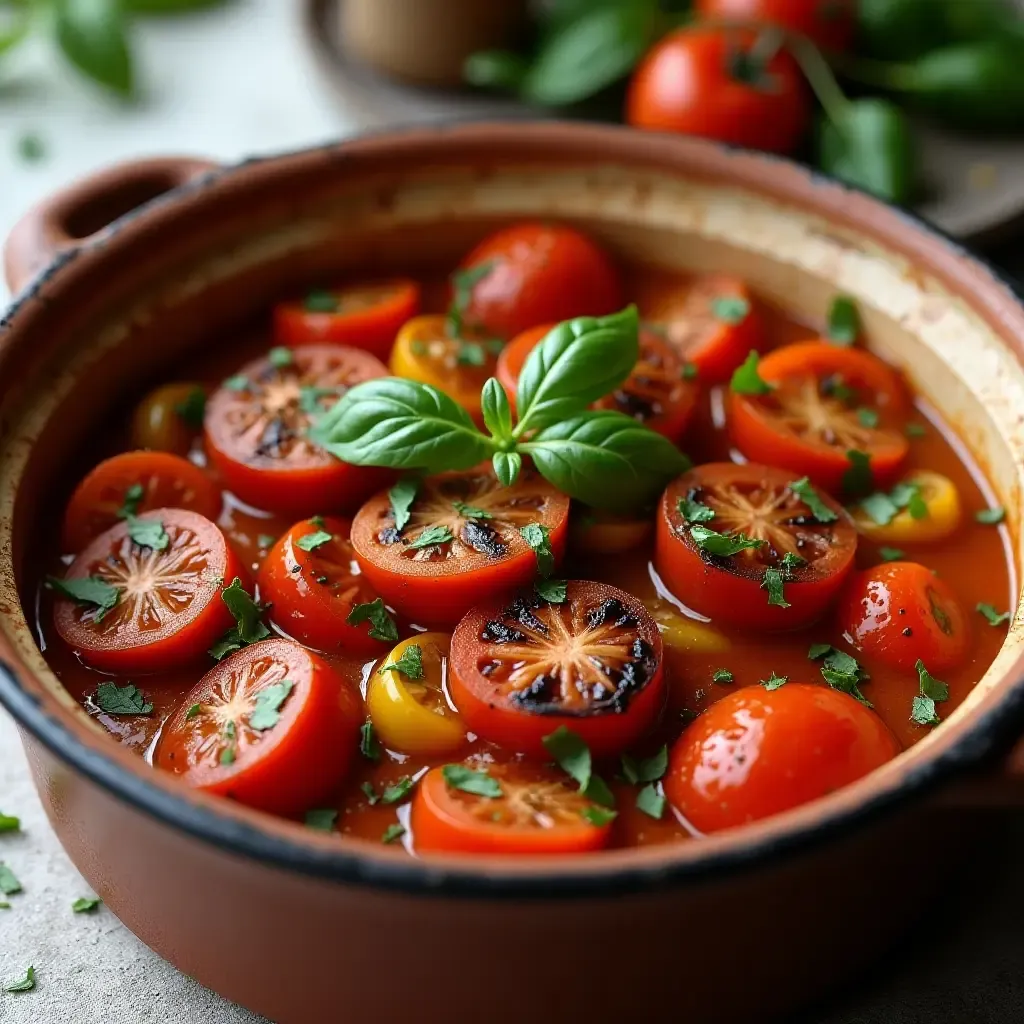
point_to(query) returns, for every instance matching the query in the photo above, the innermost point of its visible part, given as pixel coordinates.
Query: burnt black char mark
(483, 538)
(611, 609)
(389, 535)
(496, 632)
(275, 434)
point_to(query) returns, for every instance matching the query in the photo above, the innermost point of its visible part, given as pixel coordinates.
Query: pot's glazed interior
(186, 270)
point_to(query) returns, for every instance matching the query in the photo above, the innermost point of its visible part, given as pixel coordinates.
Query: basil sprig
(603, 458)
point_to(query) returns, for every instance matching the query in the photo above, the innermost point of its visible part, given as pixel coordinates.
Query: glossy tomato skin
(437, 591)
(143, 633)
(684, 85)
(164, 420)
(513, 357)
(312, 593)
(257, 435)
(540, 273)
(167, 481)
(756, 753)
(758, 431)
(730, 591)
(829, 23)
(517, 716)
(443, 820)
(369, 317)
(285, 769)
(900, 613)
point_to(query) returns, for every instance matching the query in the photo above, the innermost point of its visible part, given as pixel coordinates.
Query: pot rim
(984, 734)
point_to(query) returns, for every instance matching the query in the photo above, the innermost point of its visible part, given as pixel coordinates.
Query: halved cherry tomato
(366, 316)
(713, 82)
(826, 402)
(756, 753)
(711, 322)
(538, 812)
(312, 582)
(425, 351)
(408, 707)
(902, 612)
(257, 427)
(829, 23)
(170, 418)
(595, 531)
(942, 513)
(169, 609)
(131, 483)
(273, 727)
(523, 666)
(757, 503)
(513, 356)
(539, 273)
(477, 549)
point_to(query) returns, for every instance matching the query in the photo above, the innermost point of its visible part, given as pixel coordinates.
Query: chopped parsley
(90, 591)
(730, 309)
(809, 496)
(228, 754)
(991, 516)
(689, 371)
(382, 626)
(573, 757)
(867, 417)
(469, 511)
(840, 670)
(930, 692)
(402, 496)
(397, 792)
(85, 904)
(773, 582)
(552, 591)
(651, 801)
(469, 780)
(538, 539)
(722, 675)
(471, 353)
(993, 617)
(880, 508)
(722, 545)
(321, 819)
(249, 627)
(369, 745)
(694, 511)
(9, 823)
(148, 533)
(890, 554)
(393, 832)
(843, 321)
(320, 301)
(791, 560)
(858, 479)
(112, 699)
(835, 386)
(192, 409)
(773, 682)
(598, 816)
(883, 508)
(410, 664)
(370, 793)
(747, 381)
(309, 398)
(9, 884)
(26, 984)
(192, 712)
(132, 501)
(238, 383)
(648, 769)
(312, 541)
(266, 712)
(431, 537)
(280, 357)
(265, 541)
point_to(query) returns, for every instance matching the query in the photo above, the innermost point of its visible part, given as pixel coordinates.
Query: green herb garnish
(694, 511)
(689, 371)
(730, 309)
(858, 479)
(85, 904)
(402, 496)
(249, 627)
(722, 545)
(266, 712)
(747, 381)
(280, 357)
(319, 301)
(112, 699)
(991, 516)
(321, 820)
(722, 675)
(370, 793)
(773, 582)
(382, 626)
(552, 591)
(469, 780)
(192, 712)
(809, 496)
(148, 533)
(598, 816)
(9, 823)
(915, 430)
(651, 801)
(132, 501)
(843, 321)
(791, 560)
(90, 591)
(890, 554)
(469, 511)
(463, 282)
(993, 617)
(471, 353)
(369, 745)
(9, 884)
(393, 832)
(192, 409)
(398, 791)
(537, 537)
(431, 537)
(773, 682)
(410, 664)
(930, 692)
(840, 670)
(26, 984)
(573, 756)
(648, 769)
(31, 147)
(238, 383)
(312, 541)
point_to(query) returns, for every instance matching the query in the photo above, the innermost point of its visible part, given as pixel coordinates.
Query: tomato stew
(244, 609)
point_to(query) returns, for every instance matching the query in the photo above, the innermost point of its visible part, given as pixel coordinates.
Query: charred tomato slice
(257, 430)
(524, 666)
(794, 546)
(462, 543)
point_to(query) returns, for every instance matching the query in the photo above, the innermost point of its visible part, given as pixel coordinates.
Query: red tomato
(479, 551)
(814, 415)
(168, 611)
(257, 425)
(131, 483)
(902, 612)
(272, 727)
(366, 316)
(513, 357)
(521, 667)
(757, 503)
(710, 82)
(312, 582)
(757, 752)
(829, 23)
(711, 322)
(538, 812)
(539, 273)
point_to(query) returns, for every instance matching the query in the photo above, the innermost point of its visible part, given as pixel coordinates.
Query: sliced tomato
(538, 812)
(826, 401)
(538, 273)
(425, 351)
(366, 315)
(407, 698)
(131, 483)
(257, 428)
(312, 582)
(513, 356)
(712, 324)
(479, 551)
(901, 612)
(756, 753)
(273, 727)
(755, 502)
(169, 609)
(170, 417)
(523, 666)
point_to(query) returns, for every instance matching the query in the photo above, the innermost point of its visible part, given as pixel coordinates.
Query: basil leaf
(398, 791)
(598, 816)
(91, 591)
(923, 711)
(722, 675)
(470, 511)
(809, 496)
(321, 820)
(9, 823)
(401, 424)
(843, 321)
(249, 627)
(85, 904)
(552, 591)
(841, 671)
(382, 626)
(431, 537)
(266, 712)
(112, 699)
(536, 536)
(773, 582)
(991, 516)
(929, 685)
(506, 467)
(576, 363)
(402, 496)
(497, 413)
(694, 511)
(790, 560)
(650, 801)
(92, 35)
(571, 753)
(312, 541)
(392, 832)
(148, 533)
(722, 545)
(479, 783)
(747, 381)
(652, 768)
(193, 710)
(410, 664)
(993, 617)
(606, 460)
(773, 682)
(369, 745)
(859, 478)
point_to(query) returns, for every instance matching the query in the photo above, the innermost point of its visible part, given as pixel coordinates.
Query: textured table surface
(227, 84)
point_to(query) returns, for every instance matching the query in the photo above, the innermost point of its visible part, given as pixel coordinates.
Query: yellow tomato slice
(424, 351)
(942, 501)
(409, 708)
(596, 532)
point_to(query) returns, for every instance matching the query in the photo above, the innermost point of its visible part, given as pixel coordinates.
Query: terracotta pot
(307, 928)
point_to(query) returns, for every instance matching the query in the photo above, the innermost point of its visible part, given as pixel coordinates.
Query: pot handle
(72, 215)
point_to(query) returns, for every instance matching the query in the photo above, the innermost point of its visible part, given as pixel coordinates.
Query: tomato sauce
(976, 564)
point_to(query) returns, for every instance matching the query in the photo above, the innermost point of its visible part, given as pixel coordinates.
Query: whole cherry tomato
(829, 23)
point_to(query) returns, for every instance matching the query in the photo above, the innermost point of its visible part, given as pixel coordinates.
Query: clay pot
(308, 928)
